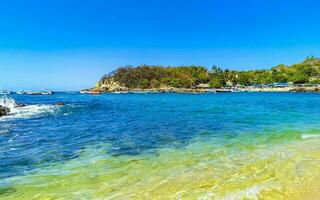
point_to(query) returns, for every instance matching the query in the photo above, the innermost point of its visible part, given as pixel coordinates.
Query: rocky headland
(300, 77)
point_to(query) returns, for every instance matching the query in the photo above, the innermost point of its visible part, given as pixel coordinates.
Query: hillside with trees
(147, 77)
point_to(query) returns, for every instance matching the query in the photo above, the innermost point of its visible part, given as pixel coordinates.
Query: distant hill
(150, 76)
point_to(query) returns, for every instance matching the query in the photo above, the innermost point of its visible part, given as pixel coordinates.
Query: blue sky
(70, 44)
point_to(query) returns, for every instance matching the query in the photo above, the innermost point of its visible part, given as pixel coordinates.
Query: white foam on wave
(4, 131)
(307, 136)
(26, 111)
(8, 102)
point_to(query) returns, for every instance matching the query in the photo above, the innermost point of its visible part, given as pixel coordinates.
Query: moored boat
(224, 90)
(89, 92)
(36, 92)
(84, 91)
(33, 93)
(5, 92)
(47, 93)
(94, 92)
(21, 92)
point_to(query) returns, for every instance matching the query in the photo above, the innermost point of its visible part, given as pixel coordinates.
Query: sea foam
(307, 136)
(25, 111)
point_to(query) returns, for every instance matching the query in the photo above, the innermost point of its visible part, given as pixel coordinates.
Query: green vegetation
(146, 76)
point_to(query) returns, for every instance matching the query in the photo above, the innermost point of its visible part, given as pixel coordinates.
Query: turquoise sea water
(161, 146)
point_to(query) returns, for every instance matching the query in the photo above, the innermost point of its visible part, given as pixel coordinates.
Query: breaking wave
(307, 136)
(26, 111)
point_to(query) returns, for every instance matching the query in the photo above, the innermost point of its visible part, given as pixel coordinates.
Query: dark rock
(60, 104)
(19, 105)
(4, 111)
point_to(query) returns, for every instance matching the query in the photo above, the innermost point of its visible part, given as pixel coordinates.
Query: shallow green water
(162, 146)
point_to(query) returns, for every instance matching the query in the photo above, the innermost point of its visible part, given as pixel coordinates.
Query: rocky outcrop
(4, 111)
(109, 85)
(60, 104)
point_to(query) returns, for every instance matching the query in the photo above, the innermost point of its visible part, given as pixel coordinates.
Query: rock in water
(60, 104)
(4, 111)
(20, 105)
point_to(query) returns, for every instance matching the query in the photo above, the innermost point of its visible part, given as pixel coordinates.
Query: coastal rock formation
(4, 111)
(300, 77)
(109, 85)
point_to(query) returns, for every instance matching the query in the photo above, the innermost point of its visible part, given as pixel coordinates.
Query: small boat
(89, 92)
(21, 92)
(224, 90)
(33, 93)
(84, 91)
(5, 92)
(47, 93)
(38, 93)
(94, 92)
(212, 91)
(120, 92)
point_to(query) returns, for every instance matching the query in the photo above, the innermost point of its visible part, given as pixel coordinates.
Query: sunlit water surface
(162, 146)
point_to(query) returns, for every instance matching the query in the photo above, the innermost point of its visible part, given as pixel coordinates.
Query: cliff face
(109, 85)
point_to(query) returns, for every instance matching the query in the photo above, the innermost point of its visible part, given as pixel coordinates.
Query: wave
(26, 111)
(8, 102)
(307, 136)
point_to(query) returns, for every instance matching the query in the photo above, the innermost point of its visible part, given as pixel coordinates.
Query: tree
(299, 78)
(151, 76)
(216, 83)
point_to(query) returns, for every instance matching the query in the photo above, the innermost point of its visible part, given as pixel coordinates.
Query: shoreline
(209, 90)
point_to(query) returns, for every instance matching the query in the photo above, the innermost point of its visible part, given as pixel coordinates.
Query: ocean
(161, 146)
